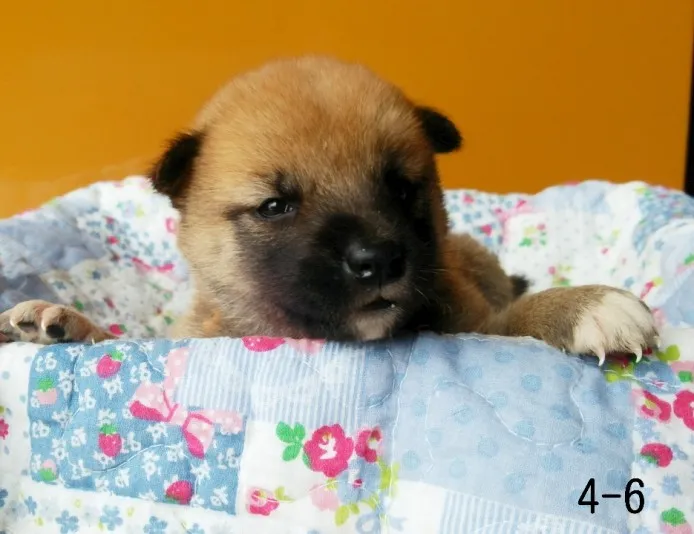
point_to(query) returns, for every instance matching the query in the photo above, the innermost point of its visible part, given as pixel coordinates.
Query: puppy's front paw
(592, 319)
(37, 321)
(612, 320)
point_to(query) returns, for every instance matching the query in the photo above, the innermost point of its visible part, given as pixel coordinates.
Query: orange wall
(545, 91)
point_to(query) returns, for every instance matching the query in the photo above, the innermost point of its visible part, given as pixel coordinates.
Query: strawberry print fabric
(503, 433)
(129, 436)
(442, 434)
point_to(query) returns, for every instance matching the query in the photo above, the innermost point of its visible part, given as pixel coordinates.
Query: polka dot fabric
(440, 434)
(513, 422)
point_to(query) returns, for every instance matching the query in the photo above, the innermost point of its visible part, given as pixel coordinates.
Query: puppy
(311, 207)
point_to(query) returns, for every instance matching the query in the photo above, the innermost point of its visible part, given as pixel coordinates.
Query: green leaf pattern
(294, 436)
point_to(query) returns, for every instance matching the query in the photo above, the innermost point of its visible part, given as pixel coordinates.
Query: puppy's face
(310, 201)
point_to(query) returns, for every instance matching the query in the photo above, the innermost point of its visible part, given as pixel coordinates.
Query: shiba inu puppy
(311, 207)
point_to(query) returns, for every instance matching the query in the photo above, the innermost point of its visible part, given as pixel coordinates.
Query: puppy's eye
(403, 189)
(274, 207)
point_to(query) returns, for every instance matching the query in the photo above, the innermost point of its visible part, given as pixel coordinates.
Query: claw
(600, 353)
(656, 340)
(638, 352)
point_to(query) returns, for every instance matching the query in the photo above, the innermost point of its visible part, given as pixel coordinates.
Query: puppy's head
(310, 201)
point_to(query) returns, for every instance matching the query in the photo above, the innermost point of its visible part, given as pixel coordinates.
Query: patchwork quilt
(428, 434)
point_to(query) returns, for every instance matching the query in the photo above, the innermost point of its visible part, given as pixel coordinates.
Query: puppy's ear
(172, 173)
(440, 130)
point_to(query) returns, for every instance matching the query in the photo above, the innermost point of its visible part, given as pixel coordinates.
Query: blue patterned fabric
(448, 434)
(508, 421)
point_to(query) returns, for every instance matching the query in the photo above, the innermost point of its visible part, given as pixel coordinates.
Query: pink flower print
(520, 207)
(306, 346)
(141, 266)
(171, 225)
(117, 329)
(262, 343)
(559, 275)
(329, 450)
(166, 268)
(684, 407)
(647, 289)
(468, 199)
(4, 429)
(369, 444)
(359, 482)
(486, 229)
(323, 498)
(657, 453)
(261, 502)
(653, 406)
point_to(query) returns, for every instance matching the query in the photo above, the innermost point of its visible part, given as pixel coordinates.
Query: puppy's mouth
(380, 304)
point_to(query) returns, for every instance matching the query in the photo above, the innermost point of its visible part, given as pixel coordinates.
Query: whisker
(425, 297)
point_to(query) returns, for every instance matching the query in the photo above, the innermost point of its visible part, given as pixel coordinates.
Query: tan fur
(317, 117)
(328, 124)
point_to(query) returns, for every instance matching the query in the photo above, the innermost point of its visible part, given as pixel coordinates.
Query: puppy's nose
(375, 263)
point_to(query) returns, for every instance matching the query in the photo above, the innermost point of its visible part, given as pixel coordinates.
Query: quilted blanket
(430, 434)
